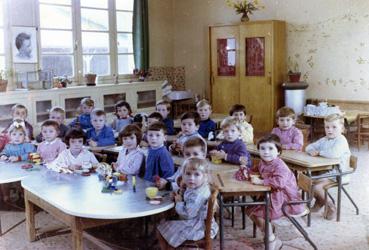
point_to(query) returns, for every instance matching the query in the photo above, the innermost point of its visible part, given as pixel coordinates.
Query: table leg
(77, 234)
(243, 213)
(267, 222)
(309, 203)
(221, 222)
(30, 218)
(339, 192)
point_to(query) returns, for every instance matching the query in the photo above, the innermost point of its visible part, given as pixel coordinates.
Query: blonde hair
(230, 121)
(286, 112)
(88, 102)
(335, 117)
(202, 103)
(195, 163)
(18, 124)
(58, 109)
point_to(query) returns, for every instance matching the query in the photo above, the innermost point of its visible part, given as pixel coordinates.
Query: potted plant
(244, 7)
(141, 74)
(294, 74)
(90, 79)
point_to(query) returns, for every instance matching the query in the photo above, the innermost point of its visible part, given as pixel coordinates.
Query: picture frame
(24, 44)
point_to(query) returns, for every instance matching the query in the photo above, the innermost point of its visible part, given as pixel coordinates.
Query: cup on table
(215, 159)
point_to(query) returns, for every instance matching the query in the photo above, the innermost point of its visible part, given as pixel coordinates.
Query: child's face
(163, 110)
(56, 116)
(76, 144)
(333, 129)
(239, 115)
(195, 151)
(204, 112)
(17, 136)
(86, 109)
(193, 178)
(151, 121)
(268, 151)
(20, 113)
(122, 112)
(98, 121)
(231, 133)
(130, 142)
(49, 133)
(188, 126)
(285, 123)
(155, 138)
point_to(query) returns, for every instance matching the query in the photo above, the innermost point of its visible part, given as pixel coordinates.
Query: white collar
(51, 142)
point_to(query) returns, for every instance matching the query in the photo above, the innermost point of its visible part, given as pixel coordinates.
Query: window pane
(94, 19)
(95, 3)
(1, 14)
(55, 17)
(59, 64)
(124, 5)
(125, 64)
(66, 2)
(98, 64)
(54, 41)
(124, 21)
(95, 42)
(125, 43)
(1, 41)
(2, 62)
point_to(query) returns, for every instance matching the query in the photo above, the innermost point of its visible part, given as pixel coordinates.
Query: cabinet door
(224, 47)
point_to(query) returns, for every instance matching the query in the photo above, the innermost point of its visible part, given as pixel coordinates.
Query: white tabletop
(12, 172)
(81, 196)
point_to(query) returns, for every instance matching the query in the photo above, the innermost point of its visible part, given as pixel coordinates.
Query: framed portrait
(24, 44)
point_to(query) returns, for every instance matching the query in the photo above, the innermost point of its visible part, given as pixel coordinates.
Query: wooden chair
(101, 157)
(305, 183)
(206, 242)
(305, 129)
(362, 132)
(249, 118)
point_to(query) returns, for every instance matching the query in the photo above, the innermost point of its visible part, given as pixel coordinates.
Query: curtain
(141, 34)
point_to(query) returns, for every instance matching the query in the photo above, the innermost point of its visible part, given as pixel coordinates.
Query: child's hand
(92, 143)
(114, 165)
(75, 167)
(314, 153)
(219, 154)
(243, 160)
(4, 158)
(13, 158)
(161, 183)
(257, 181)
(177, 197)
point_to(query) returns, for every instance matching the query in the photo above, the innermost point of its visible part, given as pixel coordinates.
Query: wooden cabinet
(253, 74)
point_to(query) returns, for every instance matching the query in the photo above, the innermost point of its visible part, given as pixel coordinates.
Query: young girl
(52, 146)
(333, 145)
(17, 149)
(130, 158)
(72, 159)
(83, 121)
(20, 112)
(274, 173)
(191, 208)
(123, 112)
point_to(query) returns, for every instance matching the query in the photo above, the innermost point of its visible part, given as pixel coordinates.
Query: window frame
(4, 29)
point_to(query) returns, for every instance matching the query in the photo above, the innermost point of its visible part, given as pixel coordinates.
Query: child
(189, 129)
(159, 161)
(152, 118)
(83, 121)
(130, 158)
(206, 124)
(274, 173)
(232, 148)
(238, 111)
(100, 135)
(52, 146)
(191, 208)
(72, 159)
(290, 136)
(333, 145)
(20, 112)
(57, 114)
(163, 107)
(123, 112)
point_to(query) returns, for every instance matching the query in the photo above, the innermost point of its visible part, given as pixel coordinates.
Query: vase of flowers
(141, 74)
(244, 7)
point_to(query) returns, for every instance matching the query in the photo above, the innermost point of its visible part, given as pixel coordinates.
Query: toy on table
(34, 158)
(105, 174)
(242, 174)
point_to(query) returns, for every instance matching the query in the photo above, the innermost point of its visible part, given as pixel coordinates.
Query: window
(2, 42)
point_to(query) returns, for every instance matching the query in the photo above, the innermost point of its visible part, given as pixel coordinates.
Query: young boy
(56, 114)
(84, 120)
(290, 136)
(159, 162)
(206, 124)
(99, 135)
(163, 107)
(20, 112)
(151, 119)
(238, 111)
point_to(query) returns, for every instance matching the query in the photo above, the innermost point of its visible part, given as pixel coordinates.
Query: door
(224, 46)
(256, 90)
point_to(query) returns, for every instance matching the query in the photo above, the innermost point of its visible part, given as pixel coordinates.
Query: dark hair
(122, 104)
(157, 126)
(129, 130)
(21, 37)
(237, 108)
(75, 133)
(156, 115)
(196, 142)
(191, 115)
(53, 123)
(272, 138)
(98, 112)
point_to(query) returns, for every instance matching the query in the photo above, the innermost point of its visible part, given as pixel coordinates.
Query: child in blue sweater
(100, 135)
(123, 112)
(206, 124)
(83, 121)
(163, 107)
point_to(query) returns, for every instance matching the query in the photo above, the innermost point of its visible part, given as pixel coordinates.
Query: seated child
(274, 173)
(333, 145)
(232, 148)
(206, 124)
(191, 208)
(20, 112)
(163, 107)
(130, 158)
(99, 135)
(123, 112)
(290, 136)
(152, 118)
(17, 149)
(72, 158)
(83, 121)
(52, 146)
(57, 114)
(189, 129)
(159, 162)
(238, 111)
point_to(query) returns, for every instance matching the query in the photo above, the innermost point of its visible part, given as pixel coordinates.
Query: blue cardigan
(21, 150)
(169, 124)
(159, 162)
(234, 151)
(104, 138)
(206, 127)
(84, 121)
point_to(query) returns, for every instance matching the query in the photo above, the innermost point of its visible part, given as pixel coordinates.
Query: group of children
(62, 149)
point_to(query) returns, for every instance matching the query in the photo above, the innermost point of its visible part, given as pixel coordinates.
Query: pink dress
(291, 138)
(280, 178)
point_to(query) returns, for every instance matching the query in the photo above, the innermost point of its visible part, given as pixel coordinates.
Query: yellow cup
(215, 159)
(151, 192)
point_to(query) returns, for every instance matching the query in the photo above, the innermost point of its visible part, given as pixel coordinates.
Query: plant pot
(294, 77)
(90, 79)
(245, 17)
(3, 85)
